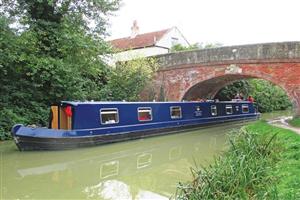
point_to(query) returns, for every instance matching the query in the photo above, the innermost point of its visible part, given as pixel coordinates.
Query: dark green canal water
(140, 169)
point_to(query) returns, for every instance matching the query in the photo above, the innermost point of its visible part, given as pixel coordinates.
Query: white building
(146, 44)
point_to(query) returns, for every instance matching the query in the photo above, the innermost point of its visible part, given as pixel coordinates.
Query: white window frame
(107, 109)
(213, 107)
(175, 117)
(145, 108)
(245, 106)
(228, 107)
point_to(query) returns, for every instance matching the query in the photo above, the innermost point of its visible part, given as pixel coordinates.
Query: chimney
(134, 29)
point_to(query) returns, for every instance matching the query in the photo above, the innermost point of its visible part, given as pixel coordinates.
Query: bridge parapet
(262, 53)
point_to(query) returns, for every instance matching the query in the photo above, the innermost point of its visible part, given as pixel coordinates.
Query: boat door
(61, 117)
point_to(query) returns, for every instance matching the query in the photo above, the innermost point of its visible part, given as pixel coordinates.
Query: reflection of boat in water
(143, 165)
(110, 164)
(80, 124)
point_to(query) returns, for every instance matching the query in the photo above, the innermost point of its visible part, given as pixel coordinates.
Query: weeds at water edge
(240, 173)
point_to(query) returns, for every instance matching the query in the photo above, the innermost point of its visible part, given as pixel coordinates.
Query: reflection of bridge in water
(152, 165)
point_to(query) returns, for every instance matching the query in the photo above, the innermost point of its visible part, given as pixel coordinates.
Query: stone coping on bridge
(253, 53)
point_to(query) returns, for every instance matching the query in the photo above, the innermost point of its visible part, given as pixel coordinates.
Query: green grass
(263, 162)
(295, 122)
(287, 169)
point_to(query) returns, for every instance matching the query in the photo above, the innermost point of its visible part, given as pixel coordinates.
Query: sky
(229, 22)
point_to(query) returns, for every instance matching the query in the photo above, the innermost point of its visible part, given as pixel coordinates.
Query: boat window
(245, 108)
(213, 109)
(109, 116)
(228, 109)
(144, 114)
(175, 112)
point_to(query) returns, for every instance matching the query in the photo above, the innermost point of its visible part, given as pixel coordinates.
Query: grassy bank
(295, 122)
(263, 162)
(287, 170)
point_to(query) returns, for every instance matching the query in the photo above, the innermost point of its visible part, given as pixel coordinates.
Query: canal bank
(262, 163)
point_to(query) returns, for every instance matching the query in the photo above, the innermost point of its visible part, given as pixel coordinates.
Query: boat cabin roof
(76, 103)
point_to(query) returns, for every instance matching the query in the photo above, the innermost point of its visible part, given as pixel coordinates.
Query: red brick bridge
(202, 73)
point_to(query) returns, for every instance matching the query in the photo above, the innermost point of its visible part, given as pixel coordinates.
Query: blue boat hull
(27, 138)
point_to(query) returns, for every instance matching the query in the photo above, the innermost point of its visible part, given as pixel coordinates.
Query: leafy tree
(268, 96)
(179, 47)
(211, 45)
(229, 92)
(50, 54)
(128, 79)
(78, 13)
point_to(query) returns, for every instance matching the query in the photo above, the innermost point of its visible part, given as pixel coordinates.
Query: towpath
(282, 123)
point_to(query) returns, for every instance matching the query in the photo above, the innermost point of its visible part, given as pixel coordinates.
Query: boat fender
(15, 128)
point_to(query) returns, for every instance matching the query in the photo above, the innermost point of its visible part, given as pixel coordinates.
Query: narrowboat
(79, 124)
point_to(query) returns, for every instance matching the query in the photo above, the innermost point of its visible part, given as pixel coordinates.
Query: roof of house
(140, 41)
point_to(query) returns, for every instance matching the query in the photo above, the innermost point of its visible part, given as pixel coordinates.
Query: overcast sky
(229, 22)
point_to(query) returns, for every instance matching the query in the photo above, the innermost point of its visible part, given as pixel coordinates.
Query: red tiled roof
(140, 41)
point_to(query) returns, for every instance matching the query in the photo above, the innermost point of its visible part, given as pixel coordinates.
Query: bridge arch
(210, 87)
(207, 89)
(204, 72)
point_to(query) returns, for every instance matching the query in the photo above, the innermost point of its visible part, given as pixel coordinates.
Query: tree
(268, 96)
(230, 91)
(179, 47)
(128, 79)
(50, 54)
(78, 13)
